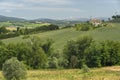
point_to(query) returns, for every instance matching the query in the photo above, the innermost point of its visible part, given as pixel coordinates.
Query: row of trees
(89, 26)
(93, 54)
(4, 33)
(38, 54)
(35, 54)
(114, 18)
(3, 30)
(84, 26)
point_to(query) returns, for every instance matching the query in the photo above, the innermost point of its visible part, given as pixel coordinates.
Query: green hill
(60, 37)
(4, 19)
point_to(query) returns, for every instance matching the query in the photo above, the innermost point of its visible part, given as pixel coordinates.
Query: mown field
(106, 73)
(60, 37)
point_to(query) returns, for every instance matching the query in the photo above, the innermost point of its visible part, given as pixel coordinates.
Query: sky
(59, 9)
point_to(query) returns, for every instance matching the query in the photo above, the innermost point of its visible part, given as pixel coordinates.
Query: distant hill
(64, 22)
(4, 19)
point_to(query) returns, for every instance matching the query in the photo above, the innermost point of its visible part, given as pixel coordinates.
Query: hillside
(61, 23)
(4, 19)
(60, 37)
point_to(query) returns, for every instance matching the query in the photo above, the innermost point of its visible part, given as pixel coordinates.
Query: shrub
(14, 70)
(85, 69)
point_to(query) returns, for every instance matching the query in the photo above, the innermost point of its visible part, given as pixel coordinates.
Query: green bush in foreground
(14, 70)
(85, 69)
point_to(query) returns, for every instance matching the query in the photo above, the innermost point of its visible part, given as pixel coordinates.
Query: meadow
(105, 73)
(60, 37)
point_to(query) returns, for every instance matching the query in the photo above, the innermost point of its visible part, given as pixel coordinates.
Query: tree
(93, 55)
(75, 50)
(38, 59)
(14, 70)
(73, 61)
(3, 30)
(46, 46)
(57, 60)
(53, 62)
(82, 44)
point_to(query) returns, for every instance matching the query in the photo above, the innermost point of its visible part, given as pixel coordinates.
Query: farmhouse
(95, 22)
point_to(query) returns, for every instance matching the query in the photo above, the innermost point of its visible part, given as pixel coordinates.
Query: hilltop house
(95, 22)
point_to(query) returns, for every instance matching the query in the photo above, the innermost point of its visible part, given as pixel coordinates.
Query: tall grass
(111, 73)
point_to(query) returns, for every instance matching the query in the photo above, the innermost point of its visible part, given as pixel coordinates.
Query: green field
(107, 73)
(60, 37)
(22, 24)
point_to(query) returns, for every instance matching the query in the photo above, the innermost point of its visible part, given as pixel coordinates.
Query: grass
(106, 73)
(60, 37)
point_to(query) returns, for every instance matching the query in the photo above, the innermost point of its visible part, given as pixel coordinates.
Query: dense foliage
(37, 54)
(4, 33)
(84, 26)
(3, 30)
(14, 70)
(94, 54)
(116, 18)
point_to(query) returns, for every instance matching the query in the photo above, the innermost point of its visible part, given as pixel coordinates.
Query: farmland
(60, 37)
(105, 73)
(59, 40)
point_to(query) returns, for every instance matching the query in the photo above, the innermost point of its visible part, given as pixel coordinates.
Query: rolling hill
(4, 19)
(60, 37)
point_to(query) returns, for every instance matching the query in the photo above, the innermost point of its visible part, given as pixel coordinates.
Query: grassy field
(60, 37)
(107, 73)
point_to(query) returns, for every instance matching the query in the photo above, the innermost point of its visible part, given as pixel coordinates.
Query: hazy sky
(59, 9)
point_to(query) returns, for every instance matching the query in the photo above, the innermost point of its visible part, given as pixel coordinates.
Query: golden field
(106, 73)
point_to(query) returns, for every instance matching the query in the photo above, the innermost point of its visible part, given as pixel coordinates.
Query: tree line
(39, 54)
(91, 53)
(4, 33)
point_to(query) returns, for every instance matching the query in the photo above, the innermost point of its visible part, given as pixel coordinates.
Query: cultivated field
(107, 73)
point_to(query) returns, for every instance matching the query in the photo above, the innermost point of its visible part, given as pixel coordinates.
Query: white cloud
(54, 9)
(8, 11)
(51, 2)
(112, 1)
(10, 5)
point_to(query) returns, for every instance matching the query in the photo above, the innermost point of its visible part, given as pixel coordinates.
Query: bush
(14, 70)
(85, 69)
(85, 28)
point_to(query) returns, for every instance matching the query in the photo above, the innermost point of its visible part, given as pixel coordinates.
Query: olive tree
(14, 70)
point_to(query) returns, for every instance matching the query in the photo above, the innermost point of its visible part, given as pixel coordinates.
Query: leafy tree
(73, 61)
(5, 54)
(93, 55)
(46, 46)
(77, 49)
(111, 52)
(57, 60)
(82, 44)
(3, 30)
(39, 59)
(14, 70)
(53, 62)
